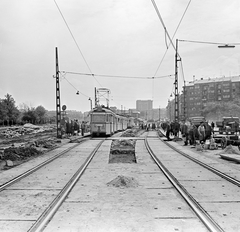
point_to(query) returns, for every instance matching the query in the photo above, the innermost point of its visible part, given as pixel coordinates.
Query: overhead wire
(75, 41)
(173, 37)
(161, 20)
(115, 76)
(203, 42)
(64, 78)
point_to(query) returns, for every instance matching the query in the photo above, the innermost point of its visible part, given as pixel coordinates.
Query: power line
(161, 20)
(75, 41)
(64, 77)
(116, 76)
(203, 42)
(172, 37)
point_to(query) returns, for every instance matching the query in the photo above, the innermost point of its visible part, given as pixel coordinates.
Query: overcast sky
(118, 38)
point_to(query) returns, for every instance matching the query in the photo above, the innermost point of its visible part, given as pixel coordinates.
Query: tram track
(33, 196)
(196, 207)
(208, 167)
(215, 193)
(56, 203)
(78, 192)
(34, 169)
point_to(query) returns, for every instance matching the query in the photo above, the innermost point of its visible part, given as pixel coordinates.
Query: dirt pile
(123, 182)
(230, 150)
(19, 153)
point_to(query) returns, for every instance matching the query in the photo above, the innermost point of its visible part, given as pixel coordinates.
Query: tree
(8, 110)
(29, 115)
(40, 113)
(215, 111)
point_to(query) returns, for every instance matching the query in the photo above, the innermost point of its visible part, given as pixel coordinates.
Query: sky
(123, 42)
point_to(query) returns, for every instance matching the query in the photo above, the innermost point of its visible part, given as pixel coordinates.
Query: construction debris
(28, 128)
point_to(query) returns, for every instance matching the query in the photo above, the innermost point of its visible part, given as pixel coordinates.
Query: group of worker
(191, 133)
(73, 127)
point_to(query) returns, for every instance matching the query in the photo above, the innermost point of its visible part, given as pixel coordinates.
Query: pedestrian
(202, 133)
(236, 127)
(185, 133)
(212, 125)
(168, 130)
(82, 128)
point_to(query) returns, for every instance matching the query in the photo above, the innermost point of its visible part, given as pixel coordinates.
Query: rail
(47, 215)
(199, 211)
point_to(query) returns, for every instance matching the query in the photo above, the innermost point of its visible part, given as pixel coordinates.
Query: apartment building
(199, 92)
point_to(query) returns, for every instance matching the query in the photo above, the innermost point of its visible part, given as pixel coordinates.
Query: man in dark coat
(185, 133)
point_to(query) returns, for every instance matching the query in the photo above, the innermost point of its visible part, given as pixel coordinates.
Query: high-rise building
(144, 105)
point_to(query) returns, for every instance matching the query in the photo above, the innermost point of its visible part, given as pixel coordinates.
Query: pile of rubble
(121, 145)
(28, 128)
(130, 133)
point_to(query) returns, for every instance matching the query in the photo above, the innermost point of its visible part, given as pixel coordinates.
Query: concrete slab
(150, 206)
(217, 190)
(24, 205)
(226, 213)
(7, 175)
(12, 226)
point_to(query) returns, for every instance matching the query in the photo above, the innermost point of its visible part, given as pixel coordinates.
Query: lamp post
(90, 103)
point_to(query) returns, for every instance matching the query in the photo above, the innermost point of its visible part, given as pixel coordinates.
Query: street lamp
(226, 46)
(90, 102)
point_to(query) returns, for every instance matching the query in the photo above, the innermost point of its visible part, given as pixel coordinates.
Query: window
(226, 90)
(219, 98)
(226, 84)
(205, 87)
(98, 117)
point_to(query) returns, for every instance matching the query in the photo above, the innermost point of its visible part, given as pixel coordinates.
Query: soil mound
(123, 182)
(230, 150)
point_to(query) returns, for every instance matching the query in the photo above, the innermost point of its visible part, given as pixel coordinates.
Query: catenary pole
(58, 105)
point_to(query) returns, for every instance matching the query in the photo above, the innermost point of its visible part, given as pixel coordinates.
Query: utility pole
(58, 105)
(176, 110)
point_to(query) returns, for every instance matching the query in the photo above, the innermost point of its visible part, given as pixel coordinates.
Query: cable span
(75, 41)
(172, 37)
(203, 42)
(115, 76)
(73, 86)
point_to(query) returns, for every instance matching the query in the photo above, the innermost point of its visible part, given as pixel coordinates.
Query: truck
(228, 125)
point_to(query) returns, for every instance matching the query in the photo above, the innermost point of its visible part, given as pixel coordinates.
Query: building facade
(144, 105)
(197, 94)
